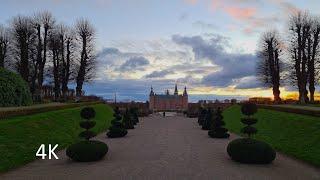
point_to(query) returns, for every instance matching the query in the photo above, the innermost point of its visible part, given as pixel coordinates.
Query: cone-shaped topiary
(86, 151)
(249, 109)
(134, 115)
(117, 129)
(87, 113)
(202, 115)
(127, 120)
(206, 125)
(247, 150)
(217, 129)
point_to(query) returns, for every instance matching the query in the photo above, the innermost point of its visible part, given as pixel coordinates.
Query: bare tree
(85, 34)
(313, 55)
(300, 28)
(66, 38)
(304, 53)
(4, 43)
(269, 65)
(54, 47)
(47, 22)
(23, 36)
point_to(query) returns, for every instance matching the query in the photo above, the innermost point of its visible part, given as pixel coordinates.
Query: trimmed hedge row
(291, 110)
(33, 110)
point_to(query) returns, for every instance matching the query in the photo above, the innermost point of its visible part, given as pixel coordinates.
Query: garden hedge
(14, 91)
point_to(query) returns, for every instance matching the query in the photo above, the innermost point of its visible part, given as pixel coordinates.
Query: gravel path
(164, 148)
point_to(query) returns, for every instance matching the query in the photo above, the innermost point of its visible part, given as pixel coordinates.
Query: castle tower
(167, 92)
(176, 90)
(151, 99)
(151, 91)
(185, 91)
(185, 98)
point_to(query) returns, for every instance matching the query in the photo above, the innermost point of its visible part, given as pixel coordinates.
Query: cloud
(232, 66)
(205, 26)
(134, 63)
(157, 74)
(249, 82)
(241, 13)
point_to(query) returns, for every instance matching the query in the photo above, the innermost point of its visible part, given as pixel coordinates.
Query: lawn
(20, 137)
(293, 134)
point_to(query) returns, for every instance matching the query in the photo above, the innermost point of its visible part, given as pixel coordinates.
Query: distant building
(167, 101)
(260, 100)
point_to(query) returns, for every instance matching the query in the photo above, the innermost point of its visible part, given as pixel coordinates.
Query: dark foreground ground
(164, 148)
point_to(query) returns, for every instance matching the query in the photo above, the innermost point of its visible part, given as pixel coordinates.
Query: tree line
(44, 51)
(294, 61)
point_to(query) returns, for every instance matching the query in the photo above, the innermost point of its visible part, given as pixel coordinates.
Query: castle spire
(151, 92)
(185, 91)
(176, 90)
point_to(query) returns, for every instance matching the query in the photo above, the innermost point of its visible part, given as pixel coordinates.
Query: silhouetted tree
(303, 49)
(4, 43)
(67, 64)
(269, 64)
(313, 56)
(47, 22)
(54, 46)
(23, 35)
(85, 34)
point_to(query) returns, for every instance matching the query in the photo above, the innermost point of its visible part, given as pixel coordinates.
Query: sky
(209, 46)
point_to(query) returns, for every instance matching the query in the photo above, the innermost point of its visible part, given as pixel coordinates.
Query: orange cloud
(241, 13)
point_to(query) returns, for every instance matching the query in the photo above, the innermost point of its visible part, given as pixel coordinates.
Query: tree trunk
(43, 61)
(3, 50)
(82, 70)
(24, 59)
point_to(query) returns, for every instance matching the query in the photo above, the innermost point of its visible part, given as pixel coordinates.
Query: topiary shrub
(134, 115)
(217, 129)
(85, 151)
(247, 150)
(202, 115)
(117, 129)
(14, 91)
(249, 109)
(206, 125)
(87, 113)
(127, 120)
(251, 151)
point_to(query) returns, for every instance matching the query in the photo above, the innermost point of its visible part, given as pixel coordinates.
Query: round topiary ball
(87, 151)
(14, 91)
(249, 108)
(88, 113)
(251, 151)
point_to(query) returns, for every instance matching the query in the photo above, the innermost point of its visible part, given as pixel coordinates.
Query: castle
(168, 102)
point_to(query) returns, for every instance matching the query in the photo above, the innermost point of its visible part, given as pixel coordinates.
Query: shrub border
(291, 110)
(29, 110)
